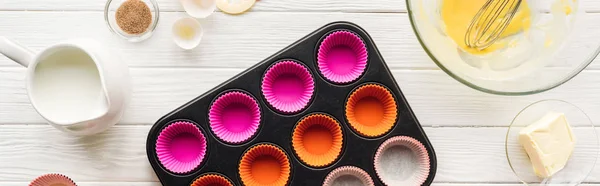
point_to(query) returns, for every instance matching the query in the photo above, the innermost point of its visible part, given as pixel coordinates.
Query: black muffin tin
(276, 128)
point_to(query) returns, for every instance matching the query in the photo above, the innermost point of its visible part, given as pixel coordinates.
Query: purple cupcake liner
(181, 147)
(342, 57)
(288, 86)
(400, 173)
(355, 174)
(234, 117)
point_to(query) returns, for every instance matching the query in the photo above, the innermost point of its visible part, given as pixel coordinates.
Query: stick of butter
(549, 143)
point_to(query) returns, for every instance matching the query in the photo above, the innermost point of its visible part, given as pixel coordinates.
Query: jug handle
(15, 51)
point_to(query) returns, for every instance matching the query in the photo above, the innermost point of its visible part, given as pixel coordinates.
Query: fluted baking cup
(371, 110)
(288, 86)
(348, 175)
(342, 57)
(402, 160)
(181, 147)
(264, 165)
(317, 140)
(234, 117)
(212, 180)
(52, 180)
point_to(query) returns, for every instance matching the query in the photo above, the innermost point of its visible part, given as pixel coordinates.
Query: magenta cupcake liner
(342, 57)
(234, 117)
(391, 172)
(288, 86)
(348, 175)
(52, 180)
(181, 147)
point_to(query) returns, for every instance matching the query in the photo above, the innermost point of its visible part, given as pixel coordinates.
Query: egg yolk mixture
(457, 16)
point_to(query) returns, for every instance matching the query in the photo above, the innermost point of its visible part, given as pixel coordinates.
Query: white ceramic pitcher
(78, 86)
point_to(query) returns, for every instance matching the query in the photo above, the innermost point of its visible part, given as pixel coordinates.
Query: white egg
(199, 8)
(187, 33)
(236, 7)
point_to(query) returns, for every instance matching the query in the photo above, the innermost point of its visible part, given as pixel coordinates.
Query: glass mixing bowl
(560, 43)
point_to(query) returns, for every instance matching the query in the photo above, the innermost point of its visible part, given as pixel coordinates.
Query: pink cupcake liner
(402, 173)
(288, 86)
(348, 171)
(234, 117)
(52, 180)
(181, 147)
(342, 57)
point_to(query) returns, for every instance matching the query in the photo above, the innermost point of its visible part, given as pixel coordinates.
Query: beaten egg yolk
(457, 16)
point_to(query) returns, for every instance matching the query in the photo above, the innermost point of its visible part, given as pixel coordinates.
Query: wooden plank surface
(466, 127)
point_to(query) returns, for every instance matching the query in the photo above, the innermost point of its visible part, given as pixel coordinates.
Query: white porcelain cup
(77, 86)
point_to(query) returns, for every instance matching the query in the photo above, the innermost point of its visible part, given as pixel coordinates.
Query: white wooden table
(466, 127)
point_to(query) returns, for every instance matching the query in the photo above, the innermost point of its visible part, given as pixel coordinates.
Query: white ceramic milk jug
(77, 85)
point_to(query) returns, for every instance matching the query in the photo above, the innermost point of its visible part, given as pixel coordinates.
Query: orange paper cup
(317, 140)
(264, 165)
(212, 180)
(52, 180)
(371, 110)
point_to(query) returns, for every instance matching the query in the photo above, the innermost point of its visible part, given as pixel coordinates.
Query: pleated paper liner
(234, 117)
(402, 160)
(371, 110)
(288, 86)
(52, 180)
(317, 140)
(212, 179)
(342, 57)
(348, 175)
(264, 165)
(181, 147)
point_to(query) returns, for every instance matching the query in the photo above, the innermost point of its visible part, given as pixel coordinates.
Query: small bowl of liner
(371, 110)
(402, 160)
(234, 117)
(181, 147)
(317, 140)
(264, 165)
(288, 86)
(212, 180)
(199, 8)
(342, 57)
(348, 175)
(52, 180)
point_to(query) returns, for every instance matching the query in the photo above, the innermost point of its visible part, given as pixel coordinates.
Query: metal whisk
(489, 22)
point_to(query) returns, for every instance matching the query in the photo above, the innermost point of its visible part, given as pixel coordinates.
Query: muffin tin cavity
(371, 110)
(342, 57)
(288, 86)
(317, 140)
(402, 160)
(181, 147)
(234, 117)
(348, 175)
(264, 164)
(279, 124)
(212, 179)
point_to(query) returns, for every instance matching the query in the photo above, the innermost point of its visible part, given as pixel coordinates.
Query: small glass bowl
(109, 16)
(584, 156)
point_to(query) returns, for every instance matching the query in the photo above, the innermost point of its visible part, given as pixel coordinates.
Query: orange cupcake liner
(212, 180)
(264, 165)
(363, 112)
(53, 180)
(315, 152)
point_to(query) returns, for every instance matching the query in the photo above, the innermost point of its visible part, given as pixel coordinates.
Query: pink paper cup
(342, 57)
(288, 86)
(52, 180)
(181, 147)
(234, 117)
(402, 160)
(348, 175)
